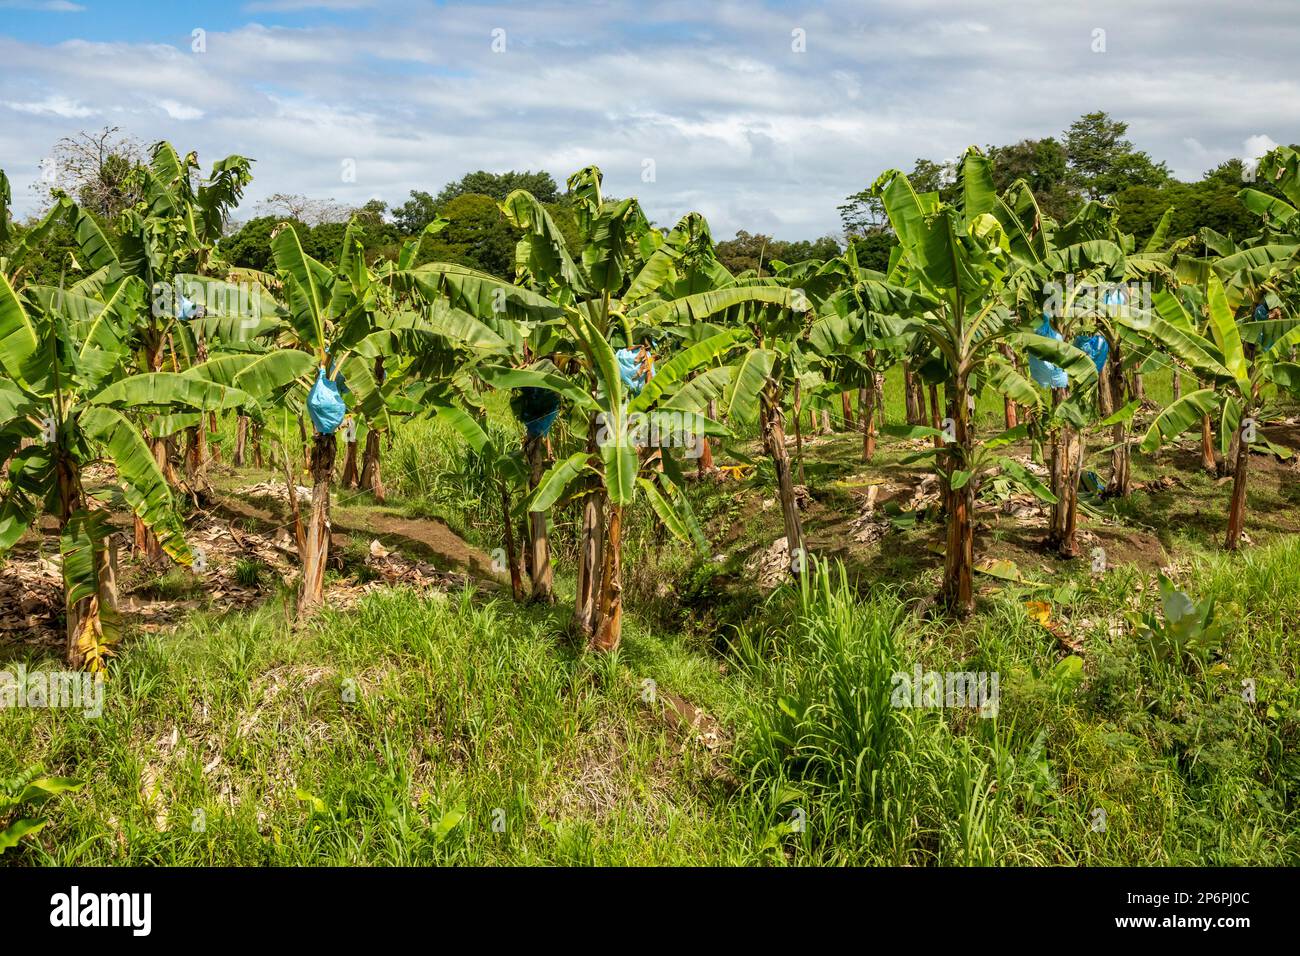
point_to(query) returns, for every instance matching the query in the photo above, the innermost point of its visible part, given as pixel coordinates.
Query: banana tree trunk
(539, 541)
(867, 412)
(350, 475)
(1010, 412)
(196, 455)
(258, 461)
(146, 542)
(240, 457)
(914, 413)
(1208, 460)
(958, 593)
(1237, 513)
(371, 480)
(798, 434)
(586, 608)
(291, 490)
(1067, 465)
(198, 434)
(609, 630)
(1227, 465)
(317, 543)
(774, 440)
(705, 461)
(512, 552)
(826, 421)
(84, 618)
(934, 413)
(306, 446)
(847, 407)
(78, 614)
(1121, 481)
(214, 446)
(704, 464)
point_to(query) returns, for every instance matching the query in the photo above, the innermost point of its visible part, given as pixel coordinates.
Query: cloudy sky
(761, 115)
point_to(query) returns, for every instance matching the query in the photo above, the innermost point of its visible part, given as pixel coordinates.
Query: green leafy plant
(1189, 631)
(21, 793)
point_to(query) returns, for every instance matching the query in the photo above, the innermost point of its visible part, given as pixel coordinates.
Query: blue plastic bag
(1263, 339)
(1045, 373)
(1096, 347)
(186, 309)
(630, 371)
(325, 404)
(536, 408)
(1114, 296)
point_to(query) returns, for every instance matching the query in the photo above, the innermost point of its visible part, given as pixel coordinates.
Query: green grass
(429, 729)
(400, 732)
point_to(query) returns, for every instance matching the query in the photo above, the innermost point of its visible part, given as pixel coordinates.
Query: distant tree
(477, 235)
(305, 209)
(827, 247)
(417, 212)
(52, 256)
(1102, 162)
(927, 176)
(862, 214)
(321, 242)
(1043, 164)
(249, 247)
(1211, 203)
(747, 252)
(97, 169)
(874, 248)
(372, 214)
(498, 186)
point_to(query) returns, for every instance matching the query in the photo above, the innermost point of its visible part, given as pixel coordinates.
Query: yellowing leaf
(1041, 612)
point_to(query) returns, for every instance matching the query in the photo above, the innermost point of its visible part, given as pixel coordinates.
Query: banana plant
(20, 250)
(1267, 261)
(619, 462)
(334, 327)
(524, 321)
(377, 418)
(507, 467)
(70, 398)
(751, 386)
(1259, 273)
(170, 231)
(191, 211)
(1246, 378)
(959, 257)
(630, 283)
(1071, 279)
(860, 333)
(553, 288)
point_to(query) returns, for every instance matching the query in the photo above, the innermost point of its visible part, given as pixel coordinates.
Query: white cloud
(740, 127)
(1256, 146)
(43, 6)
(290, 6)
(179, 111)
(53, 105)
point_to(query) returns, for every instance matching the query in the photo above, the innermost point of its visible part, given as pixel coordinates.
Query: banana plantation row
(150, 336)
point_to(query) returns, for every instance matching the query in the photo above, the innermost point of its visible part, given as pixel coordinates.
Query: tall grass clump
(855, 778)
